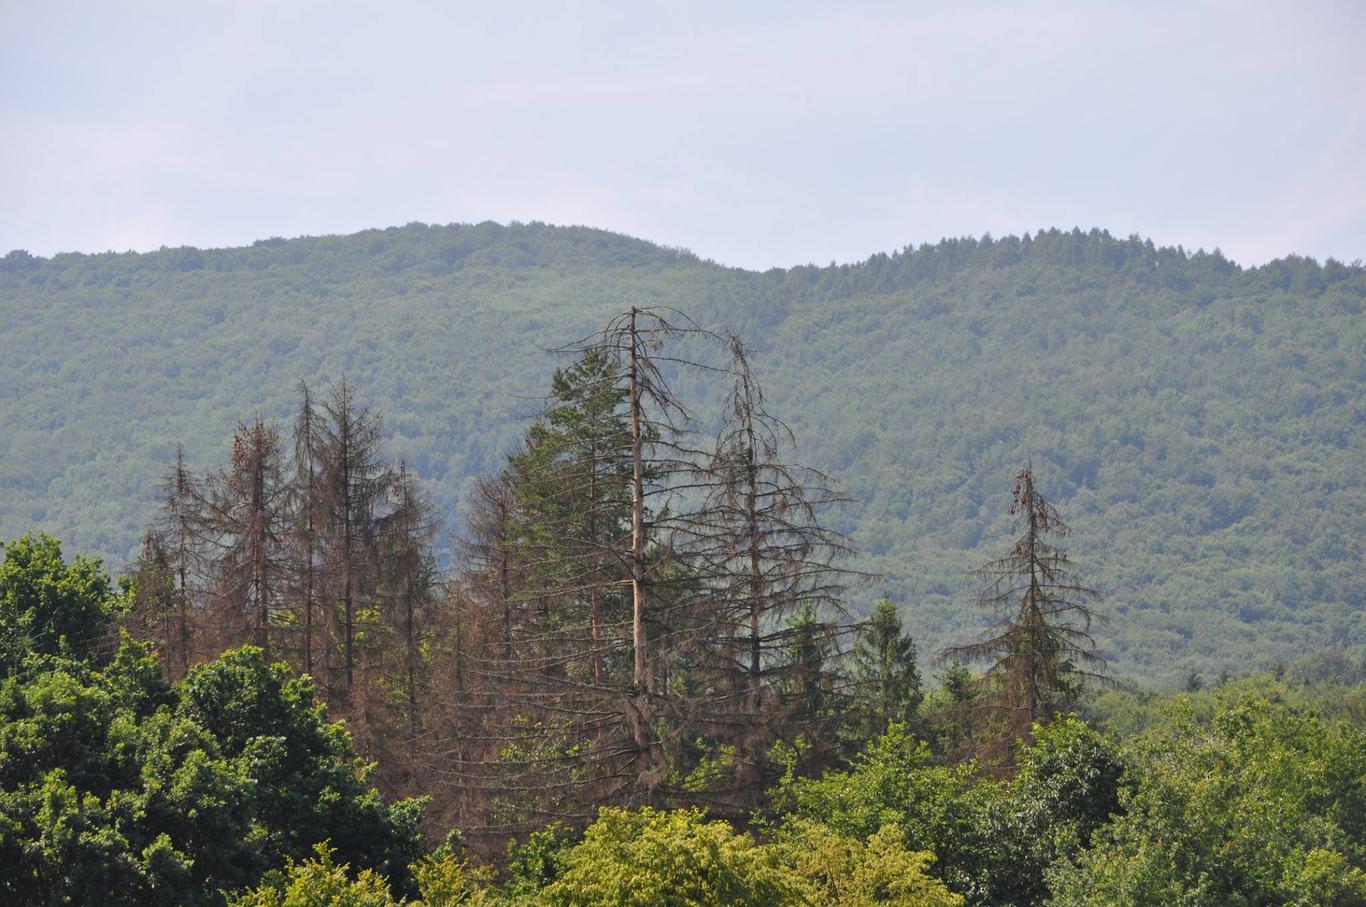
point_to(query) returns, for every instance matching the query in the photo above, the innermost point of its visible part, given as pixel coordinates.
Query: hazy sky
(756, 134)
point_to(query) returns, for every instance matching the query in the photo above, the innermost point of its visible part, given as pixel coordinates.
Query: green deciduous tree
(993, 840)
(118, 787)
(896, 781)
(308, 784)
(50, 607)
(1066, 787)
(843, 871)
(648, 858)
(320, 882)
(1259, 803)
(109, 795)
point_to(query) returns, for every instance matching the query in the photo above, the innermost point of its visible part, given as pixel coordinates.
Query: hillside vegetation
(1201, 425)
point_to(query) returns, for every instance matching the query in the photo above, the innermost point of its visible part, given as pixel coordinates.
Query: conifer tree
(246, 529)
(573, 498)
(406, 583)
(179, 534)
(760, 548)
(159, 614)
(809, 688)
(886, 678)
(305, 507)
(758, 538)
(581, 702)
(1040, 642)
(491, 575)
(353, 480)
(656, 453)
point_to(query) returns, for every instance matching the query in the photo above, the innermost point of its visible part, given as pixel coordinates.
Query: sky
(755, 134)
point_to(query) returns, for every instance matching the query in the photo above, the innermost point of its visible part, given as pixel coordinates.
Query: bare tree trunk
(306, 484)
(181, 496)
(504, 575)
(347, 553)
(594, 608)
(183, 602)
(756, 584)
(1033, 615)
(259, 528)
(641, 673)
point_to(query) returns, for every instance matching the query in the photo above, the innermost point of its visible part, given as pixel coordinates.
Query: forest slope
(1201, 426)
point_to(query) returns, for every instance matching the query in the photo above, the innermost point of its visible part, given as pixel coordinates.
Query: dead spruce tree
(479, 625)
(491, 576)
(305, 522)
(407, 579)
(1040, 644)
(770, 567)
(245, 530)
(169, 576)
(160, 612)
(353, 480)
(218, 553)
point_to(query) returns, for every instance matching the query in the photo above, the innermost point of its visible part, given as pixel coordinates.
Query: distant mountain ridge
(1200, 424)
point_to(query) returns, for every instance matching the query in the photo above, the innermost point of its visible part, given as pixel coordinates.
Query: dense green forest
(1200, 424)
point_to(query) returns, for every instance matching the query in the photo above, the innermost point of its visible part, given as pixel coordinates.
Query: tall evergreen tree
(573, 503)
(656, 453)
(886, 678)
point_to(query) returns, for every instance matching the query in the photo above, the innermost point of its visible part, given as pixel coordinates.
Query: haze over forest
(1200, 424)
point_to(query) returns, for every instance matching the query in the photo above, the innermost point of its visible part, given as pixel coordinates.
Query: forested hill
(1200, 425)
